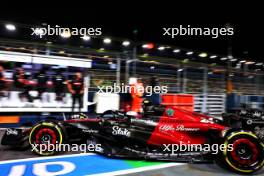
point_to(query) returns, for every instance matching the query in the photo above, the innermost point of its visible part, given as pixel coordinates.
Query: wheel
(247, 154)
(46, 137)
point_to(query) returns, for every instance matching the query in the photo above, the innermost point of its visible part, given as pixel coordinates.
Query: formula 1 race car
(158, 135)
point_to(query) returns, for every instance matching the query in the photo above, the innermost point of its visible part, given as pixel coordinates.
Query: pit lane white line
(136, 170)
(45, 158)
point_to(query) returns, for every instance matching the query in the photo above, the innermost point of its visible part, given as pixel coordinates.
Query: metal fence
(211, 104)
(207, 80)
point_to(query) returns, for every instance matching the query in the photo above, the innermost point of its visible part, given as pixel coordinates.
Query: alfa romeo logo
(170, 112)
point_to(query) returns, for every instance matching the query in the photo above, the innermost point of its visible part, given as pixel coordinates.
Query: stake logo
(11, 132)
(121, 131)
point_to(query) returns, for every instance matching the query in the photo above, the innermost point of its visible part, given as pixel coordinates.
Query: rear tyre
(45, 138)
(246, 155)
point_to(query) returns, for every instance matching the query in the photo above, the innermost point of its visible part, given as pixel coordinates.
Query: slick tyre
(46, 137)
(246, 155)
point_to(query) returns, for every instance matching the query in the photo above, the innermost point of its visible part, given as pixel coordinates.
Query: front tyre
(246, 154)
(45, 138)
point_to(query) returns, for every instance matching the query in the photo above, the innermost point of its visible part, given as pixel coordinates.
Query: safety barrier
(210, 104)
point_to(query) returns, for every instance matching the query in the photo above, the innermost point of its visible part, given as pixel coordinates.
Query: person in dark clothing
(18, 78)
(23, 83)
(154, 81)
(2, 78)
(2, 81)
(76, 88)
(20, 83)
(28, 87)
(58, 84)
(42, 83)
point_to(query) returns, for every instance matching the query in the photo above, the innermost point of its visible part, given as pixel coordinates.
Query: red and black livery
(121, 135)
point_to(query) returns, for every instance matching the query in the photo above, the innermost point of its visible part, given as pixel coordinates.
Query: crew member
(2, 81)
(58, 84)
(19, 78)
(137, 91)
(42, 83)
(29, 85)
(76, 88)
(154, 81)
(24, 83)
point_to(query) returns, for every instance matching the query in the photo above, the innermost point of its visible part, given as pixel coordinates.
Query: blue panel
(84, 165)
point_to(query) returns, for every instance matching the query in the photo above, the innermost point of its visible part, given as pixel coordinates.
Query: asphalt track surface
(181, 169)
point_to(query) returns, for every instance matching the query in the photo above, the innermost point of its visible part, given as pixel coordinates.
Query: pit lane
(93, 164)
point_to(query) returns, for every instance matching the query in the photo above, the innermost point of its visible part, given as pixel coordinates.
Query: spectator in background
(76, 88)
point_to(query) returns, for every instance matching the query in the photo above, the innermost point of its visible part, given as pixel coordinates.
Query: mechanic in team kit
(2, 80)
(137, 91)
(42, 83)
(18, 78)
(59, 84)
(22, 84)
(76, 88)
